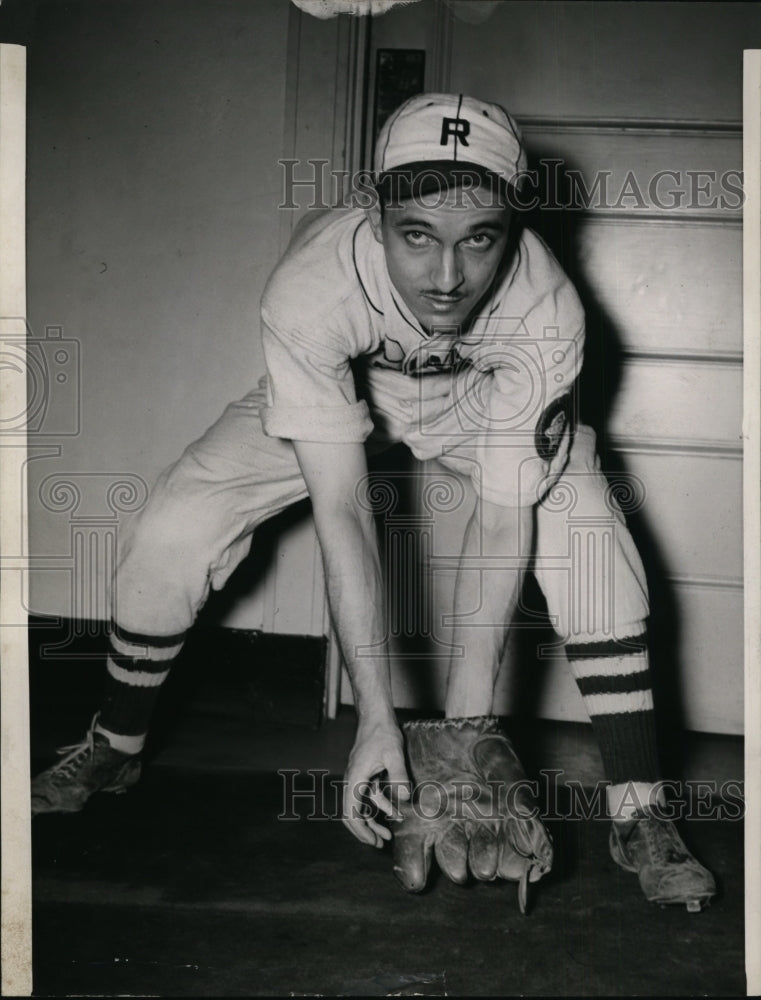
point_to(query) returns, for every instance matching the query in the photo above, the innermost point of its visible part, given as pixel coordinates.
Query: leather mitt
(472, 808)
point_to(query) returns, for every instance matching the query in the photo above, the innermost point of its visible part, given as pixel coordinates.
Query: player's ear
(374, 216)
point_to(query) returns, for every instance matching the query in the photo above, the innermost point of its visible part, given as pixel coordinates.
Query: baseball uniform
(347, 362)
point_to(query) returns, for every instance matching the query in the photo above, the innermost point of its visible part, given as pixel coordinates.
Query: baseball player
(433, 318)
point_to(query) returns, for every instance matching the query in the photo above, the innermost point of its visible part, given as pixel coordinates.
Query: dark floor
(190, 885)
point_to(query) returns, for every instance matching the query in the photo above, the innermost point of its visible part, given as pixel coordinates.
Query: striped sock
(613, 677)
(136, 667)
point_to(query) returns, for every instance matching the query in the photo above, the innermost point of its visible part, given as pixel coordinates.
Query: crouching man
(433, 319)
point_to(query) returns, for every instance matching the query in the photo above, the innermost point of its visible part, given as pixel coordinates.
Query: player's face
(443, 254)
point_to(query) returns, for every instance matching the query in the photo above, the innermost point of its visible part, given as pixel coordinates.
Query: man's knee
(168, 531)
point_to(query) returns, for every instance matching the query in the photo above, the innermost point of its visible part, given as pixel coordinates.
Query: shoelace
(77, 754)
(662, 839)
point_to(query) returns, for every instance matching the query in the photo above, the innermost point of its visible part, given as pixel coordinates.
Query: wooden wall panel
(678, 400)
(691, 515)
(633, 168)
(666, 287)
(711, 700)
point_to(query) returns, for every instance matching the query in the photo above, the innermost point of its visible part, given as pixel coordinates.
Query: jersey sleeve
(534, 363)
(310, 386)
(519, 398)
(529, 406)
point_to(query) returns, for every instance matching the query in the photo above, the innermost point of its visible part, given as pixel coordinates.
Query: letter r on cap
(458, 127)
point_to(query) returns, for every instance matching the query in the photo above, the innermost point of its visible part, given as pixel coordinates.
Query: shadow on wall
(599, 384)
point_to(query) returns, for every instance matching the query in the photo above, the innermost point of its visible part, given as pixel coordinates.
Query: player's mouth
(442, 302)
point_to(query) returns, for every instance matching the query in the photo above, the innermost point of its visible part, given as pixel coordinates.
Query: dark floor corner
(196, 882)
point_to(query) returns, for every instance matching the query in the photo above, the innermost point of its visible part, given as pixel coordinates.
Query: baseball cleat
(87, 767)
(668, 873)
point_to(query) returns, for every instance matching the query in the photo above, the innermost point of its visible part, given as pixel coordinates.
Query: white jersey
(336, 330)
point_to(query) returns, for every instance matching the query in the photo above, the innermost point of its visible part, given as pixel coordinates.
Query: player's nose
(447, 275)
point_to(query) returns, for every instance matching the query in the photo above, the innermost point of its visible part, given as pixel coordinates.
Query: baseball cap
(450, 135)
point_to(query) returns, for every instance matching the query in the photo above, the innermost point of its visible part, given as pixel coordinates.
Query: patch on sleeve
(552, 426)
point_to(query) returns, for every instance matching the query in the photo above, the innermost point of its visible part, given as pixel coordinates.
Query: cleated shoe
(668, 873)
(87, 767)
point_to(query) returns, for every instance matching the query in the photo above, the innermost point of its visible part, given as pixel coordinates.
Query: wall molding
(682, 127)
(672, 446)
(646, 217)
(717, 359)
(352, 147)
(340, 112)
(705, 582)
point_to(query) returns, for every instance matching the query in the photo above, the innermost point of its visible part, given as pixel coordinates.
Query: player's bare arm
(488, 597)
(346, 531)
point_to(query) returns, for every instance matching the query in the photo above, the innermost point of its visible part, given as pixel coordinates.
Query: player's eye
(416, 238)
(479, 241)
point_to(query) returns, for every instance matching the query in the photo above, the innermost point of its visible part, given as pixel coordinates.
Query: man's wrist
(378, 719)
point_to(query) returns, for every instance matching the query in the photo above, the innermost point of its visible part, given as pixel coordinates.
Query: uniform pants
(198, 524)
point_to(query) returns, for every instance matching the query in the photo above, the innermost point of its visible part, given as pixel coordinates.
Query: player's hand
(376, 781)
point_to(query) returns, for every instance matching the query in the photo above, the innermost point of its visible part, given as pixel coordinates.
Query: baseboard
(281, 678)
(275, 682)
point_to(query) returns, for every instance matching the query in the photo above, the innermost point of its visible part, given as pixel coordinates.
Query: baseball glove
(472, 807)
